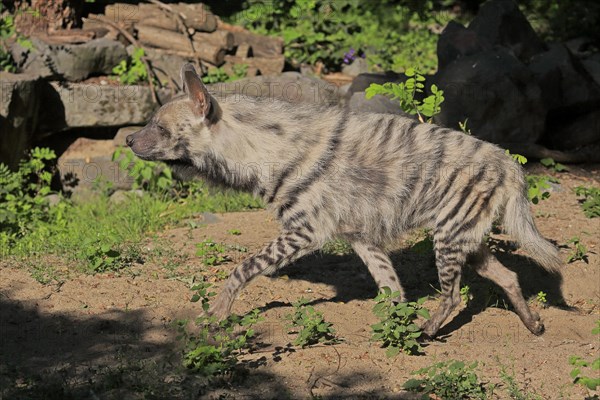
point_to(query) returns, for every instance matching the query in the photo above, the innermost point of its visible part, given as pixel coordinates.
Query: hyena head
(180, 126)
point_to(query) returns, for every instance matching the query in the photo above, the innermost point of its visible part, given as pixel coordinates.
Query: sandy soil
(111, 336)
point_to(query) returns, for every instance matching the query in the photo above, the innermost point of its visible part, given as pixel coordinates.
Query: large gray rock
(567, 132)
(289, 86)
(376, 104)
(592, 66)
(87, 163)
(19, 107)
(497, 93)
(78, 105)
(501, 23)
(457, 41)
(71, 62)
(363, 81)
(566, 84)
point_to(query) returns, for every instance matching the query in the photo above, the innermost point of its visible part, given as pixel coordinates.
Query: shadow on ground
(58, 356)
(418, 274)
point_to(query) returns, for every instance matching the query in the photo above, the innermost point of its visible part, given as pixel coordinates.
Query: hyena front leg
(449, 260)
(288, 247)
(380, 266)
(489, 267)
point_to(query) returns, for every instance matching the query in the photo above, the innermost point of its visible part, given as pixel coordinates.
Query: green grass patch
(97, 235)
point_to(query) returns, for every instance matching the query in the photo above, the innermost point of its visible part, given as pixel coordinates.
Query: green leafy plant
(541, 298)
(579, 252)
(390, 35)
(23, 194)
(133, 71)
(108, 254)
(147, 175)
(405, 93)
(551, 164)
(214, 347)
(465, 294)
(592, 367)
(397, 329)
(337, 247)
(212, 253)
(513, 389)
(235, 232)
(590, 204)
(516, 157)
(463, 127)
(310, 325)
(8, 33)
(537, 186)
(448, 380)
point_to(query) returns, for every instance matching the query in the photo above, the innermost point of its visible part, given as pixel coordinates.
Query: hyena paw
(220, 307)
(429, 330)
(536, 326)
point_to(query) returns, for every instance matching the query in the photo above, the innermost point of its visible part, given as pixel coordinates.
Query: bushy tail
(519, 224)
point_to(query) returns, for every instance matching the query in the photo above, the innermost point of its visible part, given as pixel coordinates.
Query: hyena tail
(518, 223)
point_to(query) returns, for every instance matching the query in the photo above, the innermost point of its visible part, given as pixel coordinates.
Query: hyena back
(329, 173)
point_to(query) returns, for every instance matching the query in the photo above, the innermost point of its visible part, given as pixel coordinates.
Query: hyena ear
(195, 89)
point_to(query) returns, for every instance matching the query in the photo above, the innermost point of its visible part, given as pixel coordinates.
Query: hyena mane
(327, 172)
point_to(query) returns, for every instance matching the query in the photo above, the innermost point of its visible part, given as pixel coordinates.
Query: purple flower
(349, 56)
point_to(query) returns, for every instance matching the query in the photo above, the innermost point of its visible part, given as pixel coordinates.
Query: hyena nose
(129, 140)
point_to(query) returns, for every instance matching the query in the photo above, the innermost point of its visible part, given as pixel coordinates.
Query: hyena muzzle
(327, 172)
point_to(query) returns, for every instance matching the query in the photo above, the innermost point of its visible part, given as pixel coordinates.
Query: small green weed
(234, 232)
(448, 380)
(212, 253)
(592, 367)
(465, 294)
(537, 186)
(522, 160)
(590, 204)
(396, 329)
(553, 165)
(541, 298)
(108, 254)
(579, 252)
(405, 93)
(134, 71)
(214, 348)
(337, 247)
(513, 389)
(312, 327)
(463, 127)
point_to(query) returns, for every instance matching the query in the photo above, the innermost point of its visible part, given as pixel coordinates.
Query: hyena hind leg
(380, 266)
(489, 267)
(288, 247)
(449, 261)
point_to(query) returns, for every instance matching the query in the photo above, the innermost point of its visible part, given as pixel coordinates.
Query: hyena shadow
(417, 272)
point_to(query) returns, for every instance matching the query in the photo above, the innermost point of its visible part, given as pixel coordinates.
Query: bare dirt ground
(111, 336)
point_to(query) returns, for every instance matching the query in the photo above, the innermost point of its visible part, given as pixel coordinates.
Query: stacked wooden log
(192, 31)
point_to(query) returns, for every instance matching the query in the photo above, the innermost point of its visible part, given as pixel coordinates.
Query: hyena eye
(163, 131)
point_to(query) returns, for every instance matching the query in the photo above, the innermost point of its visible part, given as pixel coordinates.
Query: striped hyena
(328, 172)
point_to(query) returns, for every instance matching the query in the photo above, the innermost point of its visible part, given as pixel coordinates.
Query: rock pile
(513, 87)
